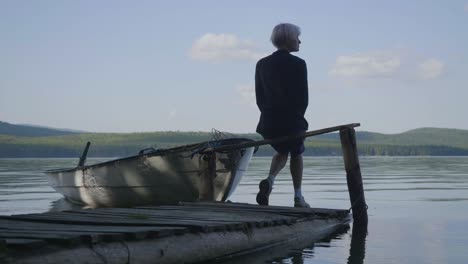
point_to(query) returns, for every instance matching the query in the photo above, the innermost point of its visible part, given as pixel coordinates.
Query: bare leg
(297, 169)
(277, 164)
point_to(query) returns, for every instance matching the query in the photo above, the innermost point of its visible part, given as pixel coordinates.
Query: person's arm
(259, 96)
(301, 89)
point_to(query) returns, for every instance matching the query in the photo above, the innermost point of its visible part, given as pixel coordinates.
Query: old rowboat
(158, 176)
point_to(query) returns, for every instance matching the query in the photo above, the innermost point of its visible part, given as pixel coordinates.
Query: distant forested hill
(422, 141)
(30, 131)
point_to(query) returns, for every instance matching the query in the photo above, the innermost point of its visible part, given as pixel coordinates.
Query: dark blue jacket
(282, 94)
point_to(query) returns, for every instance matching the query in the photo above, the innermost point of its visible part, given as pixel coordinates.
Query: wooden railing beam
(280, 139)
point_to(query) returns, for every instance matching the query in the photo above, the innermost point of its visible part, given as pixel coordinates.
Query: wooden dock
(186, 233)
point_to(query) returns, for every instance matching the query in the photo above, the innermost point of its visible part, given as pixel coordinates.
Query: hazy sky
(129, 66)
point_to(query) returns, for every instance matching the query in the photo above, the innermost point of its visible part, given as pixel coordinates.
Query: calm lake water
(418, 206)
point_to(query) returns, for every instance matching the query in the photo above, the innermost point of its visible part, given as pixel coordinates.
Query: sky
(140, 66)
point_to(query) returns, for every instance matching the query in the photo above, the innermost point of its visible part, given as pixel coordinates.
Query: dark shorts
(295, 147)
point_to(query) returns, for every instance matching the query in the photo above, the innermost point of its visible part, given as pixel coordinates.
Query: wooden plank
(280, 139)
(198, 248)
(74, 230)
(116, 224)
(51, 237)
(82, 236)
(188, 219)
(22, 242)
(206, 223)
(78, 236)
(89, 220)
(195, 217)
(130, 232)
(199, 214)
(280, 210)
(182, 216)
(193, 226)
(271, 209)
(25, 225)
(200, 220)
(247, 205)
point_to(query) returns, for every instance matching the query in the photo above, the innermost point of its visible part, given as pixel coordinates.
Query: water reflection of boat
(158, 176)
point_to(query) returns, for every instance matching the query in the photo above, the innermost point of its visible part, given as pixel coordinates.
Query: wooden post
(84, 155)
(353, 175)
(207, 179)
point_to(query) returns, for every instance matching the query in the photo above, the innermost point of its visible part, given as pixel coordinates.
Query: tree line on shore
(107, 147)
(23, 141)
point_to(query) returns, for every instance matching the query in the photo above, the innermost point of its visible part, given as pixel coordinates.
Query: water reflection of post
(297, 259)
(357, 250)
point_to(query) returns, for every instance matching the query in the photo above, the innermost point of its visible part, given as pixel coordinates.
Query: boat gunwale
(157, 152)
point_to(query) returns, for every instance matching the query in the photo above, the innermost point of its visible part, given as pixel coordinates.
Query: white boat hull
(153, 178)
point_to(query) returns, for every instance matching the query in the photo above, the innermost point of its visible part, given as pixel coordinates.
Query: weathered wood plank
(194, 226)
(279, 210)
(46, 236)
(280, 139)
(130, 232)
(137, 231)
(198, 214)
(166, 221)
(11, 224)
(21, 242)
(83, 236)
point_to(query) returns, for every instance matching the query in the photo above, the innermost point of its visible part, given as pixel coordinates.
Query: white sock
(271, 178)
(297, 193)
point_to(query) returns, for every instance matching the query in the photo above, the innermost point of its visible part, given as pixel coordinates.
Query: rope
(357, 200)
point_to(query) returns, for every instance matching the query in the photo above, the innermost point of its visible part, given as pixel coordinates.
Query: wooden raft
(49, 233)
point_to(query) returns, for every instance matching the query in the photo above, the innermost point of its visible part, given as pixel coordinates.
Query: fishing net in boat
(217, 138)
(219, 135)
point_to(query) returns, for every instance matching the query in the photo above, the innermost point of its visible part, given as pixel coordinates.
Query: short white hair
(284, 35)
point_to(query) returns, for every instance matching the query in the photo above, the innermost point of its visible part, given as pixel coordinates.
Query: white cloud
(172, 114)
(431, 68)
(372, 64)
(247, 93)
(216, 47)
(396, 65)
(466, 7)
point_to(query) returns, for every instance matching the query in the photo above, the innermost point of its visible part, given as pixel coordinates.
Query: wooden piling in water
(353, 175)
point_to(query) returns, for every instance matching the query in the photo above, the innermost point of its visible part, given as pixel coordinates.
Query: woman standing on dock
(282, 96)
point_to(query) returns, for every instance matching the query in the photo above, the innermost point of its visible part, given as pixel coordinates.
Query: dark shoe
(264, 193)
(300, 202)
